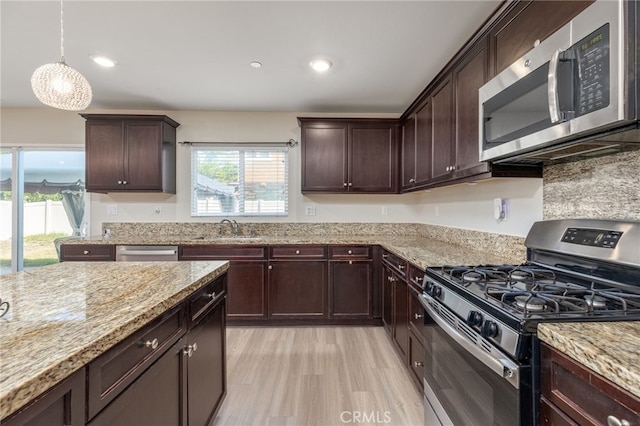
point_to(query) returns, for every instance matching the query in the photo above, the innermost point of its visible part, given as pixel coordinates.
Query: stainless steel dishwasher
(146, 253)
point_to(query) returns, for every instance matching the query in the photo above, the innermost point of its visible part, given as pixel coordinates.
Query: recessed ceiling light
(320, 65)
(103, 61)
(256, 64)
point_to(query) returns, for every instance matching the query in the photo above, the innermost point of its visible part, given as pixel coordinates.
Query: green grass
(39, 250)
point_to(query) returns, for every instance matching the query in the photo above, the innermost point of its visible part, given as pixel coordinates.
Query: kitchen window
(239, 181)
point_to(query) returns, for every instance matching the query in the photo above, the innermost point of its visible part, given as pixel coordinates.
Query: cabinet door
(104, 155)
(143, 159)
(324, 157)
(468, 77)
(443, 146)
(350, 289)
(372, 158)
(416, 358)
(409, 153)
(515, 34)
(155, 398)
(424, 143)
(401, 315)
(206, 376)
(387, 298)
(247, 290)
(297, 289)
(416, 314)
(62, 405)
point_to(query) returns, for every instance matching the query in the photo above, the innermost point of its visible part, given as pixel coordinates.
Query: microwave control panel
(592, 56)
(592, 237)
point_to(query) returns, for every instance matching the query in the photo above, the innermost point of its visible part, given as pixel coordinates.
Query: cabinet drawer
(87, 252)
(416, 314)
(206, 297)
(110, 373)
(298, 251)
(350, 252)
(416, 275)
(217, 252)
(395, 262)
(583, 395)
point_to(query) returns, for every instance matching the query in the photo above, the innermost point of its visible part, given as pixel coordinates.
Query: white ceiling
(195, 55)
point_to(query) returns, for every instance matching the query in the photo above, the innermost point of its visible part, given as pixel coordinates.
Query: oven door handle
(496, 361)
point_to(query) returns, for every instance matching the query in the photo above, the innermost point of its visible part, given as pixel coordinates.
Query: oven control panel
(592, 237)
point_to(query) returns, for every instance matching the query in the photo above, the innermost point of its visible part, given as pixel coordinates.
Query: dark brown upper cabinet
(130, 153)
(519, 28)
(349, 155)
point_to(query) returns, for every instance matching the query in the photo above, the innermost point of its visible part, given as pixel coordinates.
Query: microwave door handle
(552, 88)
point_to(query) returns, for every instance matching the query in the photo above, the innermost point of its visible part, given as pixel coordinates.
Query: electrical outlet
(385, 210)
(112, 209)
(158, 210)
(310, 210)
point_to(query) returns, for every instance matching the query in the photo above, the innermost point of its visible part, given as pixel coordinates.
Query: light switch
(112, 209)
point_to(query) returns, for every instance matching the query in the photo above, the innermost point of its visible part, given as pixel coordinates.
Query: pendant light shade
(60, 86)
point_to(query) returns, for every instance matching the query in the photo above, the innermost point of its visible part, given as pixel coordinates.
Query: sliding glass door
(42, 200)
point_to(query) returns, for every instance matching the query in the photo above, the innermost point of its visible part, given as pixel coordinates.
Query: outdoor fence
(42, 217)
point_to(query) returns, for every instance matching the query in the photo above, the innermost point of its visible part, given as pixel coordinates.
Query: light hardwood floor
(316, 376)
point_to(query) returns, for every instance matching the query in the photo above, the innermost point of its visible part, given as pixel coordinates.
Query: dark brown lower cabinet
(401, 315)
(572, 394)
(298, 289)
(350, 289)
(62, 405)
(206, 366)
(416, 358)
(155, 398)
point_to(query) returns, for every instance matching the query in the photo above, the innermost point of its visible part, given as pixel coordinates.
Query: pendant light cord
(61, 33)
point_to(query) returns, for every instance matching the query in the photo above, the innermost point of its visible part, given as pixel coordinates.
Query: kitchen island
(63, 317)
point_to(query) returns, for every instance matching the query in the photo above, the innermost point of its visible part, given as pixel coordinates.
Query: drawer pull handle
(614, 421)
(401, 267)
(86, 252)
(351, 262)
(210, 295)
(417, 364)
(418, 316)
(384, 255)
(153, 344)
(297, 251)
(350, 252)
(418, 279)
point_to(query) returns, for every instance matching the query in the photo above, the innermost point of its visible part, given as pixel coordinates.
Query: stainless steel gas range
(482, 353)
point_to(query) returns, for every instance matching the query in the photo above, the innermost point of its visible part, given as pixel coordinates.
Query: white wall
(461, 206)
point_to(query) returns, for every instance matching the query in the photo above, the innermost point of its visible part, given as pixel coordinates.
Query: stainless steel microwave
(576, 93)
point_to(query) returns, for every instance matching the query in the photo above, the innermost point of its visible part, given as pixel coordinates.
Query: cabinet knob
(86, 252)
(270, 267)
(418, 279)
(417, 364)
(119, 182)
(614, 421)
(153, 344)
(350, 252)
(351, 262)
(400, 266)
(344, 184)
(189, 350)
(297, 251)
(350, 184)
(124, 182)
(384, 255)
(210, 295)
(412, 180)
(418, 316)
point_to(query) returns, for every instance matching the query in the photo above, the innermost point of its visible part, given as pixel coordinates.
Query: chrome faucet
(233, 224)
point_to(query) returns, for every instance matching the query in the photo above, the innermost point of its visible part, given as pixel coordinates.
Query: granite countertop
(611, 349)
(63, 316)
(420, 251)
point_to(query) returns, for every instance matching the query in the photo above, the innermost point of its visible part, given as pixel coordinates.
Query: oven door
(467, 380)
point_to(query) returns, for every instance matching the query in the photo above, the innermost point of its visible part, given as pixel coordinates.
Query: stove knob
(474, 318)
(489, 329)
(435, 291)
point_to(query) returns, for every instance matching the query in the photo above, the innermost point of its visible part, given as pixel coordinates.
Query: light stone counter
(611, 349)
(65, 315)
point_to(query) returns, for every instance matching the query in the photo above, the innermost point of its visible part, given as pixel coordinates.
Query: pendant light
(60, 86)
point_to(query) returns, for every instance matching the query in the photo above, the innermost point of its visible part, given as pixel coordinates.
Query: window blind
(239, 181)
